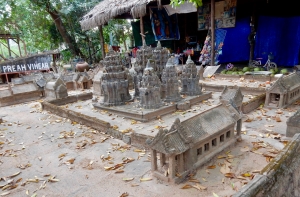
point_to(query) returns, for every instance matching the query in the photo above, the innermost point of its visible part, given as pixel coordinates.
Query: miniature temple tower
(142, 56)
(190, 79)
(160, 57)
(150, 89)
(170, 85)
(114, 81)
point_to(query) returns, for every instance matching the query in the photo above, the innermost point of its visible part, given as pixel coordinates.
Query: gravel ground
(42, 154)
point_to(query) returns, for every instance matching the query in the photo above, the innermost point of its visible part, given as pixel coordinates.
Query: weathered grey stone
(149, 89)
(293, 124)
(281, 177)
(234, 94)
(41, 82)
(56, 89)
(170, 85)
(185, 105)
(19, 93)
(114, 81)
(126, 139)
(189, 144)
(190, 79)
(284, 91)
(97, 83)
(17, 81)
(200, 73)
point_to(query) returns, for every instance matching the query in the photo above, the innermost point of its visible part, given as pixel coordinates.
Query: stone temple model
(160, 57)
(114, 81)
(150, 89)
(170, 85)
(142, 56)
(190, 79)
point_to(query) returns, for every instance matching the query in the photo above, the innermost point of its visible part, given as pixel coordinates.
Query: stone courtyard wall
(280, 178)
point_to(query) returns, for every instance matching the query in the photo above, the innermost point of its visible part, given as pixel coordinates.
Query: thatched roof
(109, 9)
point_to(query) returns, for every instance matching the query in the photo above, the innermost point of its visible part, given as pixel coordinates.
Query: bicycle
(269, 65)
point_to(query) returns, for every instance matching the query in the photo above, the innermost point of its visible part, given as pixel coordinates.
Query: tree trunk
(125, 45)
(63, 32)
(101, 41)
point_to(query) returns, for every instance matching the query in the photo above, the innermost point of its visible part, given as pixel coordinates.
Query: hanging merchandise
(164, 27)
(205, 56)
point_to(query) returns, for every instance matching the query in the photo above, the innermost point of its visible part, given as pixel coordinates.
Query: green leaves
(176, 3)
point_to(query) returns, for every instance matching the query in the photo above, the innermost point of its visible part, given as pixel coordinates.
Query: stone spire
(170, 62)
(189, 60)
(190, 79)
(170, 84)
(148, 66)
(158, 45)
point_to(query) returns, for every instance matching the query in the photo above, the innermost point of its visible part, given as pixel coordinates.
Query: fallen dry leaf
(230, 175)
(70, 161)
(127, 179)
(145, 179)
(277, 118)
(199, 187)
(187, 186)
(245, 149)
(4, 194)
(125, 194)
(16, 174)
(215, 195)
(211, 167)
(246, 174)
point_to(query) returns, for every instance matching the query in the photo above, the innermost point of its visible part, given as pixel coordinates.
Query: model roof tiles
(286, 83)
(233, 94)
(183, 135)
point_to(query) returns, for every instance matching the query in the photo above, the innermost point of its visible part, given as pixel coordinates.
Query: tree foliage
(120, 30)
(197, 3)
(35, 21)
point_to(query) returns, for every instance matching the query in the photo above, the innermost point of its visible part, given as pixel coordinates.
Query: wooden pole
(101, 40)
(8, 46)
(18, 42)
(212, 22)
(142, 30)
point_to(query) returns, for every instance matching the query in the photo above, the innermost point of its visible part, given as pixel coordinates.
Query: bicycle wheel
(254, 64)
(272, 65)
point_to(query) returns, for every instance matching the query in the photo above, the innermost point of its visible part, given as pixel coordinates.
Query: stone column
(162, 159)
(281, 101)
(239, 127)
(181, 163)
(267, 99)
(172, 164)
(153, 160)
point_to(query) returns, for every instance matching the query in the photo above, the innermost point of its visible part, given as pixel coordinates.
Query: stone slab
(145, 115)
(210, 70)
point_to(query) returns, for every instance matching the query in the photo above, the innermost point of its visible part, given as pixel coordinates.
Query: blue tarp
(279, 36)
(236, 47)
